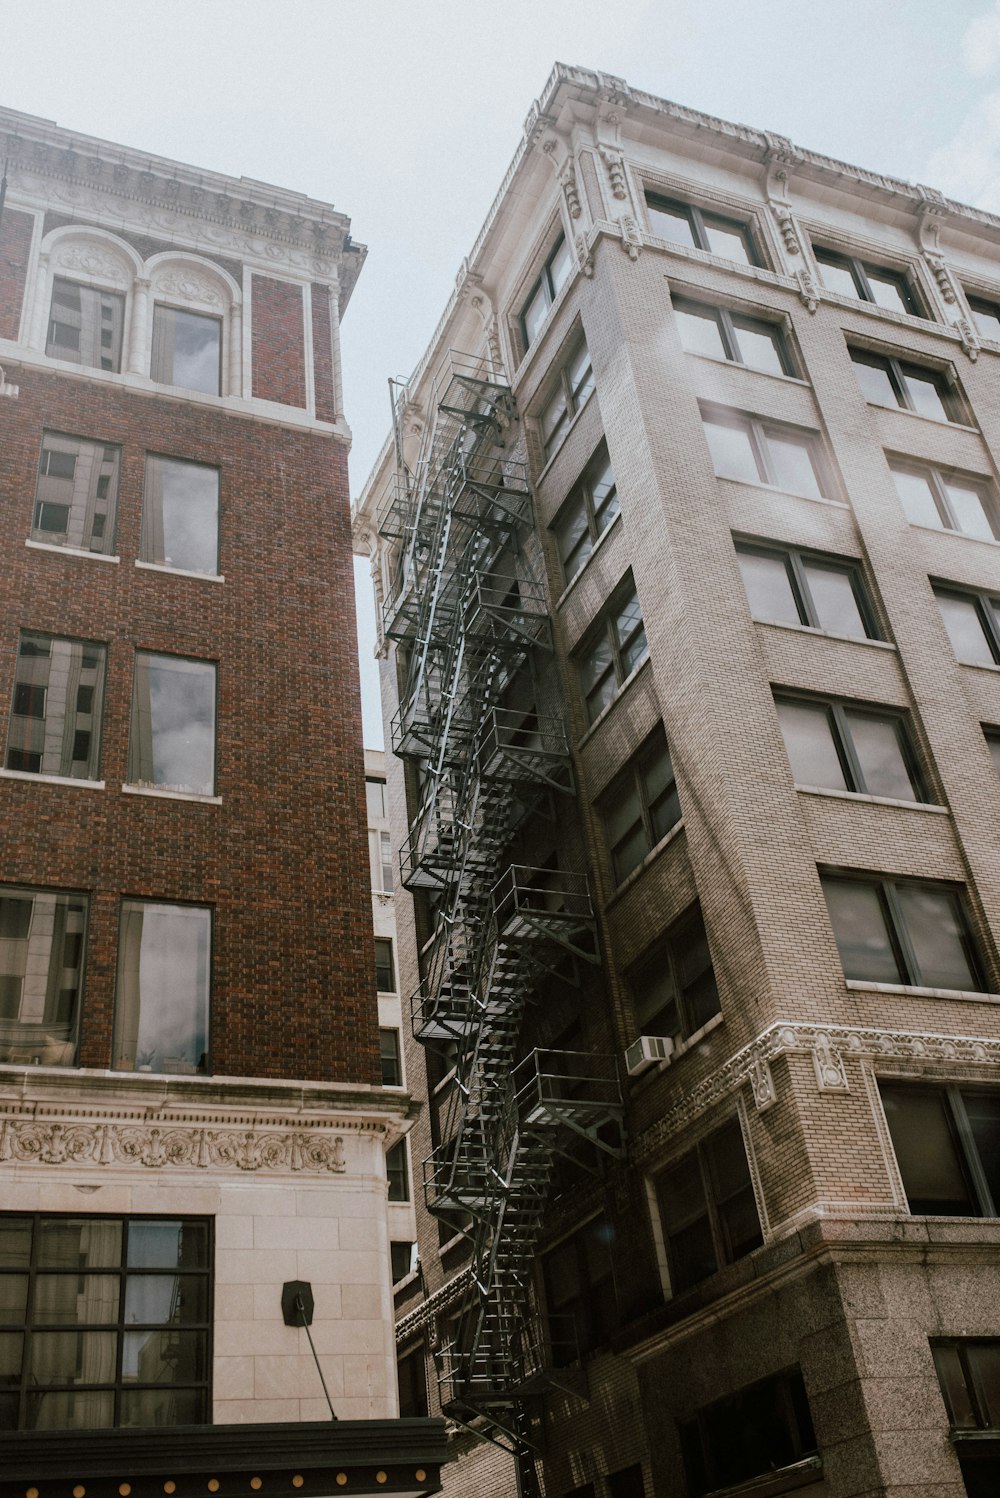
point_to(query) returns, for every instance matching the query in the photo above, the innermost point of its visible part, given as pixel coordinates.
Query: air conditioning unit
(647, 1051)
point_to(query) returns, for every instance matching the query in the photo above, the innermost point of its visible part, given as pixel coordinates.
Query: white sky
(406, 113)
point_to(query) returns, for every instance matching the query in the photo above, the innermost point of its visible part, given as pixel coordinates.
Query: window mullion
(800, 589)
(758, 443)
(844, 745)
(898, 380)
(988, 621)
(698, 226)
(940, 493)
(730, 342)
(970, 1153)
(718, 1242)
(899, 936)
(861, 280)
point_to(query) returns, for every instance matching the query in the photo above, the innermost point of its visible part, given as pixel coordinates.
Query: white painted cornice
(57, 169)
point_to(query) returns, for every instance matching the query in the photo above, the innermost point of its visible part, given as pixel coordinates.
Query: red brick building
(189, 1062)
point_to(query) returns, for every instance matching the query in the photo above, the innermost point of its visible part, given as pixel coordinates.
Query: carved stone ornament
(571, 190)
(808, 289)
(631, 238)
(969, 336)
(827, 1044)
(584, 258)
(786, 227)
(92, 261)
(27, 1140)
(762, 1085)
(830, 1073)
(615, 164)
(187, 286)
(942, 275)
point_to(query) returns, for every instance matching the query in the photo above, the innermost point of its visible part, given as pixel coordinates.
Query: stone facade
(686, 228)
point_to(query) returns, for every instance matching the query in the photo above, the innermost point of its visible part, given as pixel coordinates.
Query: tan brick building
(191, 1110)
(689, 573)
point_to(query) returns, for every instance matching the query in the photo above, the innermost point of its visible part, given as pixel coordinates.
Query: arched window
(195, 327)
(83, 297)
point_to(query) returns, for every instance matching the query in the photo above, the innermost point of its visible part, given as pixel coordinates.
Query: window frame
(717, 1231)
(52, 350)
(604, 630)
(836, 710)
(698, 219)
(386, 941)
(393, 1055)
(966, 1149)
(897, 369)
(203, 1064)
(165, 305)
(96, 712)
(698, 1438)
(758, 429)
(984, 306)
(986, 605)
(42, 537)
(146, 528)
(546, 283)
(858, 270)
(631, 780)
(574, 397)
(135, 782)
(794, 559)
(660, 956)
(980, 1407)
(937, 477)
(886, 888)
(118, 1386)
(397, 1172)
(725, 319)
(580, 500)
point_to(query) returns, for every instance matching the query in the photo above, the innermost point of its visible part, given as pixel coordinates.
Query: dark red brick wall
(277, 342)
(15, 243)
(283, 861)
(326, 408)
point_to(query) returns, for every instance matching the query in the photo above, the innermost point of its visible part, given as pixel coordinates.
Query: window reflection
(161, 1017)
(187, 350)
(180, 515)
(172, 745)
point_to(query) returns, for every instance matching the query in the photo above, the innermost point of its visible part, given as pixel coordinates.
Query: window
(973, 624)
(946, 500)
(187, 350)
(580, 1292)
(627, 1483)
(76, 494)
(947, 1146)
(707, 1208)
(403, 1258)
(866, 282)
(385, 975)
(721, 334)
(887, 381)
(85, 325)
(392, 1068)
(576, 381)
(612, 651)
(375, 795)
(172, 745)
(673, 986)
(993, 745)
(164, 966)
(104, 1321)
(986, 316)
(902, 931)
(55, 719)
(683, 223)
(759, 452)
(968, 1370)
(397, 1172)
(41, 967)
(545, 290)
(380, 861)
(845, 746)
(818, 591)
(640, 806)
(180, 515)
(587, 513)
(753, 1433)
(412, 1384)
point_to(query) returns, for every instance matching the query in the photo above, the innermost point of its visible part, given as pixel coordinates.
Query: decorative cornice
(422, 1315)
(829, 1046)
(26, 1140)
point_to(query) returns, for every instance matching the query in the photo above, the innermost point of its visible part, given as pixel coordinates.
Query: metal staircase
(468, 617)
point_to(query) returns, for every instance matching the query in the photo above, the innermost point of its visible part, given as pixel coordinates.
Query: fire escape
(469, 619)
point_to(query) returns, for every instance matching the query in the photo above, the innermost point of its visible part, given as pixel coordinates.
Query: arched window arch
(193, 310)
(83, 297)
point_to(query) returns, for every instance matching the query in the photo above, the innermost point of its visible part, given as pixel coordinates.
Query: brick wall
(326, 395)
(283, 861)
(15, 243)
(278, 347)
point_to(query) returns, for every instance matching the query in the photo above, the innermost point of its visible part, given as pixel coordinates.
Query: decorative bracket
(808, 289)
(831, 1074)
(762, 1084)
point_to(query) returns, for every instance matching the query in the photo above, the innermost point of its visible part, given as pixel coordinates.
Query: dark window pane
(392, 1072)
(859, 926)
(384, 971)
(76, 1409)
(164, 1406)
(878, 745)
(926, 1151)
(957, 1397)
(937, 934)
(983, 1112)
(809, 740)
(13, 1297)
(88, 1299)
(175, 1243)
(72, 1357)
(769, 587)
(79, 1243)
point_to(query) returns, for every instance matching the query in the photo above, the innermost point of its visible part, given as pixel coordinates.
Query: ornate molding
(829, 1047)
(427, 1311)
(584, 256)
(92, 261)
(808, 289)
(614, 162)
(938, 268)
(631, 237)
(28, 1140)
(571, 189)
(188, 286)
(969, 337)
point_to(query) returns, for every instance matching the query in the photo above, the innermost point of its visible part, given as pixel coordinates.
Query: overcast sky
(406, 113)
